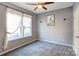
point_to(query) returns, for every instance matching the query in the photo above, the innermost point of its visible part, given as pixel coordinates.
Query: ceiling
(50, 7)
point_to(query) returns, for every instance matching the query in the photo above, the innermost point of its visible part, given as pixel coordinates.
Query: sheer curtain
(13, 24)
(19, 25)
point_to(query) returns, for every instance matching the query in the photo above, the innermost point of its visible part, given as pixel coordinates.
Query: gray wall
(15, 43)
(76, 27)
(62, 32)
(2, 26)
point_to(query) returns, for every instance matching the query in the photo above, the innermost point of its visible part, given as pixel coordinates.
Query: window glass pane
(27, 25)
(19, 25)
(13, 24)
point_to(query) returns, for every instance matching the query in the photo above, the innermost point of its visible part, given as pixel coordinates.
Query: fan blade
(40, 3)
(35, 8)
(48, 3)
(44, 7)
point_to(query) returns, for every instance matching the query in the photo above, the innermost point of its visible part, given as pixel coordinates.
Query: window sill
(20, 38)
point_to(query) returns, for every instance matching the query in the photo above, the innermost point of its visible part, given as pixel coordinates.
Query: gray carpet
(39, 48)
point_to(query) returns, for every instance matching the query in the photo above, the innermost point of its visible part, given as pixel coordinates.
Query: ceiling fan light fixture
(39, 6)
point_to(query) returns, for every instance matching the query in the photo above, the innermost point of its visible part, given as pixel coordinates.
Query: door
(76, 30)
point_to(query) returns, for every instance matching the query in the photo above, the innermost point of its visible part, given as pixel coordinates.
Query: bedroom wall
(15, 43)
(62, 32)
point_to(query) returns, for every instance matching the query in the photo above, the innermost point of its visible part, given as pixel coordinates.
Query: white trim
(75, 51)
(57, 43)
(16, 47)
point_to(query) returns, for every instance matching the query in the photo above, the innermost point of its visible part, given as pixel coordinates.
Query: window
(27, 24)
(19, 25)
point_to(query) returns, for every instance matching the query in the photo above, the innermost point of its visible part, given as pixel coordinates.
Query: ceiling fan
(40, 5)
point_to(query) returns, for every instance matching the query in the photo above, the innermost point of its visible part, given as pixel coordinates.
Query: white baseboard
(57, 43)
(16, 47)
